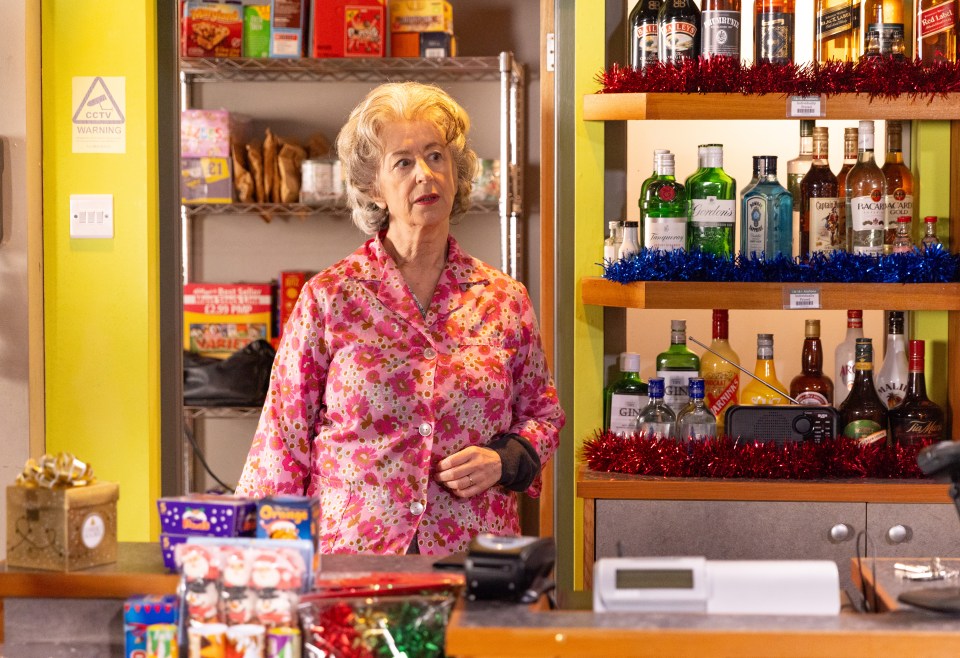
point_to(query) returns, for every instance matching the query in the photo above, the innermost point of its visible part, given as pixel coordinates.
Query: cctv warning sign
(99, 106)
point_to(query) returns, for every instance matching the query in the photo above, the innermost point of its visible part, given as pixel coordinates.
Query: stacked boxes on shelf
(421, 28)
(203, 515)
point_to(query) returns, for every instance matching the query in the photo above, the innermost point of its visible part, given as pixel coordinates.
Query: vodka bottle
(712, 202)
(679, 31)
(657, 420)
(757, 390)
(797, 168)
(811, 386)
(720, 373)
(899, 199)
(676, 366)
(930, 239)
(720, 28)
(773, 30)
(624, 398)
(936, 27)
(644, 41)
(766, 213)
(883, 29)
(664, 209)
(863, 415)
(866, 189)
(695, 422)
(821, 228)
(836, 27)
(844, 357)
(916, 419)
(891, 380)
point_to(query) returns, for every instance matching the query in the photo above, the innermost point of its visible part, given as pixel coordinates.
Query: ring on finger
(470, 479)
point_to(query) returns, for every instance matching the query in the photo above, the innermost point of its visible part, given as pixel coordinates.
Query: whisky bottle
(721, 376)
(657, 420)
(811, 386)
(696, 422)
(936, 27)
(836, 30)
(845, 356)
(644, 41)
(899, 199)
(797, 168)
(883, 29)
(863, 415)
(866, 189)
(773, 31)
(917, 419)
(766, 213)
(720, 28)
(849, 159)
(711, 194)
(821, 228)
(764, 387)
(624, 398)
(676, 366)
(679, 31)
(664, 209)
(891, 380)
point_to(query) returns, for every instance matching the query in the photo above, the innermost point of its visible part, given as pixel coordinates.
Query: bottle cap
(866, 127)
(696, 388)
(930, 219)
(854, 314)
(678, 325)
(629, 362)
(764, 340)
(916, 355)
(811, 329)
(655, 387)
(893, 127)
(904, 219)
(864, 354)
(806, 127)
(896, 322)
(713, 156)
(850, 133)
(765, 164)
(631, 223)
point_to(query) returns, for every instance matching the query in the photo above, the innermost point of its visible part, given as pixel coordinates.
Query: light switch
(91, 215)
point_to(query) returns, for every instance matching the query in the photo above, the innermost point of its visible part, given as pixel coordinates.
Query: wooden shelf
(769, 296)
(625, 107)
(594, 484)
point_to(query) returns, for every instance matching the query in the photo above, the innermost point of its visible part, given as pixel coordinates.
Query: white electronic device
(695, 584)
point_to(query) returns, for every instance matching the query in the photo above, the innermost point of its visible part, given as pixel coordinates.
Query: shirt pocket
(485, 367)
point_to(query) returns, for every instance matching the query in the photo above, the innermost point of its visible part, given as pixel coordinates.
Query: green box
(256, 30)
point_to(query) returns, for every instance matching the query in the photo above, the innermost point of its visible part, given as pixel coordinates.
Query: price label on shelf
(806, 107)
(801, 298)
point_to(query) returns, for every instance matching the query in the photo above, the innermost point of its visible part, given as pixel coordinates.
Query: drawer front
(914, 530)
(723, 530)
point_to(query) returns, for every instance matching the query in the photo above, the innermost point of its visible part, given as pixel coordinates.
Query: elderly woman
(410, 392)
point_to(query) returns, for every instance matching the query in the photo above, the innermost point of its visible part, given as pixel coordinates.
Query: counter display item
(139, 612)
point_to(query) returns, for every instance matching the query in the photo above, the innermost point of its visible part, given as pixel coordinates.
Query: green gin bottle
(624, 398)
(663, 207)
(712, 205)
(676, 366)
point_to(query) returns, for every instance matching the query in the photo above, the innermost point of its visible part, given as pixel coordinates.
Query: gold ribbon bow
(60, 470)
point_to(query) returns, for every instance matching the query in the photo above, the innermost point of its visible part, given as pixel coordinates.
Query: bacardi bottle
(773, 29)
(811, 386)
(917, 419)
(836, 30)
(679, 31)
(712, 205)
(657, 420)
(695, 422)
(677, 365)
(866, 189)
(863, 415)
(624, 398)
(764, 387)
(797, 168)
(936, 27)
(883, 29)
(899, 199)
(664, 209)
(821, 215)
(720, 28)
(644, 40)
(720, 373)
(891, 380)
(845, 356)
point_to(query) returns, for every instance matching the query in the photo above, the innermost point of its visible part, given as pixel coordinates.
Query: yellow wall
(101, 296)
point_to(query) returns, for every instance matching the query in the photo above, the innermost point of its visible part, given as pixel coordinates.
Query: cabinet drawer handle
(899, 534)
(840, 532)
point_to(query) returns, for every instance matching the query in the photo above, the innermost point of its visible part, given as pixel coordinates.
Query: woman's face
(417, 182)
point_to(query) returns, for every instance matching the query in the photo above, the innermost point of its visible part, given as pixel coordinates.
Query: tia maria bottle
(644, 39)
(917, 419)
(679, 31)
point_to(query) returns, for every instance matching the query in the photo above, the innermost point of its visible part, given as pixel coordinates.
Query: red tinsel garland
(842, 458)
(881, 77)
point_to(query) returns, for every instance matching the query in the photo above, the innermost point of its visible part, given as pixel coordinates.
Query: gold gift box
(62, 529)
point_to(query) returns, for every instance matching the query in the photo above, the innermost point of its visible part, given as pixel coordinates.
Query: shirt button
(416, 508)
(430, 353)
(425, 429)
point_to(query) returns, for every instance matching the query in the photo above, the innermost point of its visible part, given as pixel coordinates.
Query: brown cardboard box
(62, 529)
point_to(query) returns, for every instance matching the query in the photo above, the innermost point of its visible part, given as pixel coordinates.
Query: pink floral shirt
(367, 395)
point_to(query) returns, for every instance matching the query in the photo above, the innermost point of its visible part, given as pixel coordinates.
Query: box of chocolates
(209, 515)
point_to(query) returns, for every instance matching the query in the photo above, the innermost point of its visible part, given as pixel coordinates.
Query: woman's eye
(436, 156)
(402, 162)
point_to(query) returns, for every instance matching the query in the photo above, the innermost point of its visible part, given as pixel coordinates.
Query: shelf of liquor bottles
(678, 106)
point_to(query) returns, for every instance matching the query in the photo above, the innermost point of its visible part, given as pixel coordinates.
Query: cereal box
(288, 28)
(207, 514)
(256, 30)
(348, 28)
(210, 29)
(142, 611)
(219, 318)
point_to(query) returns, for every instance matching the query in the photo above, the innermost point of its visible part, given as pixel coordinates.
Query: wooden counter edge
(84, 585)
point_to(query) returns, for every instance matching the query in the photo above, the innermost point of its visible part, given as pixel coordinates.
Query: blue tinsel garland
(931, 266)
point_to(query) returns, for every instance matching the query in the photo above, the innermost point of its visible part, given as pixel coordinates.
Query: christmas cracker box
(221, 318)
(142, 611)
(348, 28)
(62, 528)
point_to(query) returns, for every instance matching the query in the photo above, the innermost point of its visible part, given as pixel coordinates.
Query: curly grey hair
(360, 145)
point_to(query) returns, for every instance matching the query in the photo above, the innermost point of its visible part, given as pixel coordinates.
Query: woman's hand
(469, 472)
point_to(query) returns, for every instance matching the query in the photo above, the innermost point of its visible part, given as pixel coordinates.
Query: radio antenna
(743, 370)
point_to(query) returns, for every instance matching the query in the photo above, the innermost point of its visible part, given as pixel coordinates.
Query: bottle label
(936, 19)
(892, 392)
(824, 227)
(865, 431)
(713, 212)
(647, 42)
(721, 391)
(675, 387)
(867, 217)
(832, 22)
(887, 36)
(624, 410)
(908, 432)
(774, 37)
(665, 233)
(812, 397)
(756, 212)
(721, 33)
(677, 40)
(899, 203)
